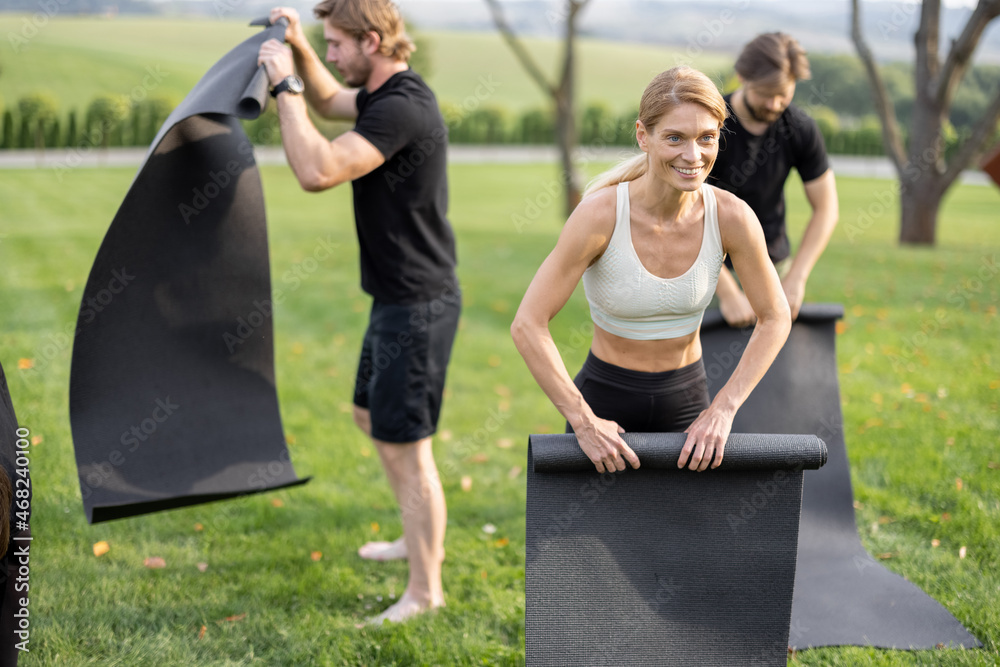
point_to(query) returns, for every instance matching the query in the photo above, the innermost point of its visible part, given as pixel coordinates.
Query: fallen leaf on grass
(466, 483)
(502, 542)
(961, 552)
(25, 364)
(993, 465)
(502, 390)
(950, 442)
(483, 574)
(840, 327)
(234, 618)
(935, 543)
(945, 516)
(886, 555)
(478, 458)
(101, 548)
(365, 452)
(374, 526)
(994, 384)
(198, 527)
(155, 563)
(202, 567)
(277, 502)
(445, 436)
(514, 472)
(201, 633)
(36, 440)
(884, 520)
(290, 438)
(505, 443)
(298, 348)
(493, 360)
(958, 483)
(316, 555)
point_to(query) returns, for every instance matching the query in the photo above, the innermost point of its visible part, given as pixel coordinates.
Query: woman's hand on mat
(706, 440)
(600, 441)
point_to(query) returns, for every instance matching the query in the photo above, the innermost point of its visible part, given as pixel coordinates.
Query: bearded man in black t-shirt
(764, 137)
(395, 158)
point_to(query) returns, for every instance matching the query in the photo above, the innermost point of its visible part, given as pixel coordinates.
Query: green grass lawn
(77, 58)
(919, 360)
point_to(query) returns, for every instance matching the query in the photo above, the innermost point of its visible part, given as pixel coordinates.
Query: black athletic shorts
(640, 402)
(404, 358)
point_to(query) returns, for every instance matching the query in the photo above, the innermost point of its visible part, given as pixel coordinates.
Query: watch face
(295, 85)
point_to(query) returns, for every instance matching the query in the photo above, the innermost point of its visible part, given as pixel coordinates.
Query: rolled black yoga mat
(843, 596)
(172, 394)
(660, 566)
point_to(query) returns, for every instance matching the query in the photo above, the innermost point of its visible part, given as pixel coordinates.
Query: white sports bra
(628, 301)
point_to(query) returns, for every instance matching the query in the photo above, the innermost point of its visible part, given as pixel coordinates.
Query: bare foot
(384, 550)
(405, 608)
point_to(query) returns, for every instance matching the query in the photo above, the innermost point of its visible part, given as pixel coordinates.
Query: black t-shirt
(754, 168)
(400, 208)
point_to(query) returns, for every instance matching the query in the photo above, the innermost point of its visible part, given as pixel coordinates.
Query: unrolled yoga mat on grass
(843, 596)
(172, 393)
(661, 566)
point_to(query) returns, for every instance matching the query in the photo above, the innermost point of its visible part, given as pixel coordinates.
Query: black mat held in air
(172, 394)
(843, 596)
(660, 566)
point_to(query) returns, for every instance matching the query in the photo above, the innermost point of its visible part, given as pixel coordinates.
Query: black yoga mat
(843, 596)
(172, 395)
(660, 566)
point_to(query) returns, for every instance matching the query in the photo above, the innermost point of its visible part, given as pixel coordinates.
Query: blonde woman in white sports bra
(648, 241)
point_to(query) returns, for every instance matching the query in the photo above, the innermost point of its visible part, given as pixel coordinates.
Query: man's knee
(363, 418)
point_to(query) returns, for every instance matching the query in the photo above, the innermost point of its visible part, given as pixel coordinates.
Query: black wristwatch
(291, 84)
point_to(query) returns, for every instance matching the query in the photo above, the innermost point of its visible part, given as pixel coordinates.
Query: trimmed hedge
(118, 121)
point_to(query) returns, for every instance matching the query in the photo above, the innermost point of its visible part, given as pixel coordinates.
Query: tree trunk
(566, 140)
(919, 206)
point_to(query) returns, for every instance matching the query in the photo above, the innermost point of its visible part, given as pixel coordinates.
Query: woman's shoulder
(598, 209)
(732, 210)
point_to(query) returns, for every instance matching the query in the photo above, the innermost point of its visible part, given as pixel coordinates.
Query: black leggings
(665, 402)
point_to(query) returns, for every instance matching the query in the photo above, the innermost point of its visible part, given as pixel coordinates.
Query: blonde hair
(667, 91)
(773, 58)
(359, 17)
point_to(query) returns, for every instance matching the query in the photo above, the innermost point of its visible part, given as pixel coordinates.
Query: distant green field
(77, 58)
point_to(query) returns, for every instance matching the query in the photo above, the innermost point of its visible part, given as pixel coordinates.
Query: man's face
(766, 102)
(345, 53)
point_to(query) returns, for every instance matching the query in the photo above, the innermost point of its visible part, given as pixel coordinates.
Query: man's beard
(762, 115)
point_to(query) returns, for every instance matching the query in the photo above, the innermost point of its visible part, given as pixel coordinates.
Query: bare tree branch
(974, 146)
(891, 136)
(926, 41)
(961, 52)
(517, 47)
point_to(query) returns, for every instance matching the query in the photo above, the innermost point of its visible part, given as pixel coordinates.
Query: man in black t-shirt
(395, 158)
(764, 137)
